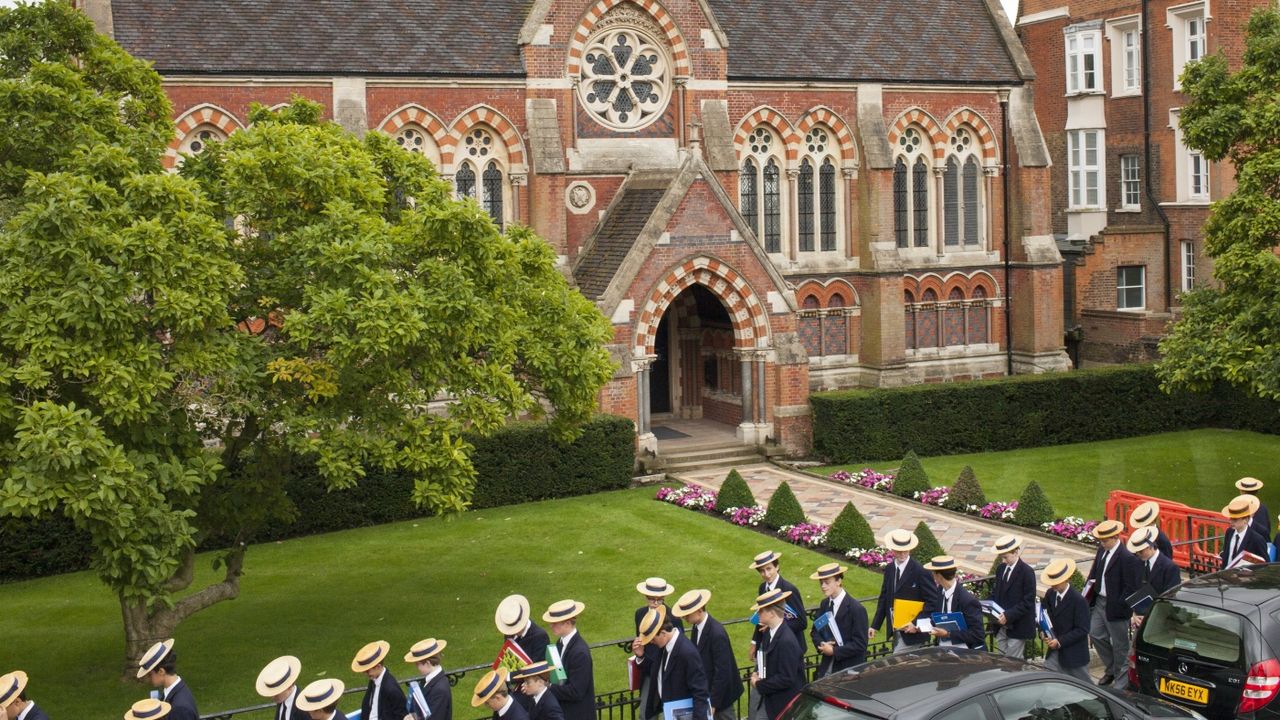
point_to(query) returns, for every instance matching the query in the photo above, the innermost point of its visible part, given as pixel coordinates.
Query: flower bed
(1070, 528)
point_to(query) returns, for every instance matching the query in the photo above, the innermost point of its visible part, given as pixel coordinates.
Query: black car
(1210, 644)
(954, 684)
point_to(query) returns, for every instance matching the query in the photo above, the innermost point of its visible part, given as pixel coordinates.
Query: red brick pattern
(679, 50)
(826, 116)
(750, 323)
(980, 126)
(921, 118)
(414, 114)
(205, 115)
(774, 120)
(483, 115)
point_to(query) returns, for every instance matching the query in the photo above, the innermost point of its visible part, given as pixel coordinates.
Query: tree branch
(183, 576)
(228, 589)
(236, 445)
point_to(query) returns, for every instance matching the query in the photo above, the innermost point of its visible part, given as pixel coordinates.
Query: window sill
(1132, 310)
(1085, 209)
(1084, 93)
(1188, 203)
(1128, 210)
(1126, 94)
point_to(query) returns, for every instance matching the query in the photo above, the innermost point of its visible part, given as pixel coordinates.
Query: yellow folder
(905, 612)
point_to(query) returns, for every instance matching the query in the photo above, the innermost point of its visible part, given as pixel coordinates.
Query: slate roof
(621, 228)
(948, 41)
(353, 37)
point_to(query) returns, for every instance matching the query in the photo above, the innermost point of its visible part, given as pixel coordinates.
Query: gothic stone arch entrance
(702, 339)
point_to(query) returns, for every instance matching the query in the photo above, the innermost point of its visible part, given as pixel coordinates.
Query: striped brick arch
(414, 114)
(679, 50)
(750, 321)
(196, 117)
(825, 116)
(768, 116)
(484, 115)
(917, 116)
(981, 128)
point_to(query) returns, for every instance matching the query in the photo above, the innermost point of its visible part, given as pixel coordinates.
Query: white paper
(419, 700)
(760, 664)
(925, 624)
(835, 631)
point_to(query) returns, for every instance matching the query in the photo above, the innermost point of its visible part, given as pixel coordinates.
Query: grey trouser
(1010, 647)
(899, 646)
(728, 713)
(1111, 640)
(1081, 672)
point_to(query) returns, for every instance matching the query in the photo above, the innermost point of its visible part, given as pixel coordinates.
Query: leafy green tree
(168, 342)
(911, 477)
(1230, 330)
(850, 530)
(783, 509)
(734, 492)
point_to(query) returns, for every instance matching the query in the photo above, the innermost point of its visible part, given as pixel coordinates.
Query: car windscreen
(1208, 633)
(808, 707)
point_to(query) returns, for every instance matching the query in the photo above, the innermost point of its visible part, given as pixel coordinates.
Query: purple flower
(692, 497)
(866, 478)
(806, 533)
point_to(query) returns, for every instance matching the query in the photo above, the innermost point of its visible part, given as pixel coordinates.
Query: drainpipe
(1004, 178)
(1146, 160)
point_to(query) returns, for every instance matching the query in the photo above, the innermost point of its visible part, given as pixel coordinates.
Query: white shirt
(505, 707)
(835, 603)
(1102, 574)
(288, 702)
(23, 715)
(701, 626)
(377, 688)
(538, 698)
(176, 679)
(564, 641)
(947, 594)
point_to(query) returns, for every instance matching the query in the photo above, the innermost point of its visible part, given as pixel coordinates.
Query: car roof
(923, 676)
(1239, 589)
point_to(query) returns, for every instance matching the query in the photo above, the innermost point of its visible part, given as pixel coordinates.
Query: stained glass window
(827, 199)
(626, 78)
(772, 208)
(493, 191)
(972, 226)
(804, 196)
(411, 138)
(748, 183)
(920, 203)
(465, 180)
(951, 202)
(900, 227)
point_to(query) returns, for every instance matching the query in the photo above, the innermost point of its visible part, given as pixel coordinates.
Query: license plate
(1184, 691)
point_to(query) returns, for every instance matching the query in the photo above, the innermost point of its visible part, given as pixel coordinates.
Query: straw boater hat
(1006, 544)
(763, 559)
(1145, 514)
(691, 602)
(149, 709)
(152, 657)
(563, 610)
(1248, 484)
(651, 623)
(773, 597)
(940, 563)
(901, 540)
(1142, 538)
(830, 570)
(1242, 507)
(512, 615)
(425, 650)
(1108, 529)
(492, 682)
(11, 686)
(278, 675)
(655, 587)
(542, 667)
(1058, 571)
(320, 694)
(370, 656)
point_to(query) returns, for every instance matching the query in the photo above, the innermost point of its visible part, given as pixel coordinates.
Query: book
(1246, 559)
(510, 656)
(825, 629)
(947, 620)
(1141, 596)
(755, 618)
(1045, 622)
(789, 612)
(418, 700)
(905, 611)
(760, 664)
(1089, 589)
(635, 676)
(678, 709)
(992, 608)
(557, 674)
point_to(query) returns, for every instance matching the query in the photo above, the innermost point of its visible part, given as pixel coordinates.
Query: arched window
(809, 325)
(626, 75)
(962, 191)
(816, 193)
(198, 140)
(835, 327)
(482, 158)
(927, 320)
(911, 194)
(909, 325)
(811, 302)
(760, 187)
(953, 327)
(978, 323)
(416, 139)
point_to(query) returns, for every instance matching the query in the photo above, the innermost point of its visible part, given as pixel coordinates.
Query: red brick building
(765, 197)
(1128, 199)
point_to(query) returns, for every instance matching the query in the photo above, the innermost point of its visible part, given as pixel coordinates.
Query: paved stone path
(967, 539)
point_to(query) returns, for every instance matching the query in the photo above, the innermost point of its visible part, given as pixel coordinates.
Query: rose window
(961, 141)
(626, 79)
(910, 140)
(196, 142)
(760, 141)
(411, 139)
(479, 143)
(816, 139)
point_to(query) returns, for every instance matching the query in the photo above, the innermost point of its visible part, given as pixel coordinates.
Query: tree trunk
(145, 626)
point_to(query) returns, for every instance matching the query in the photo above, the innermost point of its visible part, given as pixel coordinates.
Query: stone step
(710, 452)
(741, 459)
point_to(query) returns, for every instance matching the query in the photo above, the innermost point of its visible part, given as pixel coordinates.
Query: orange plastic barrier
(1196, 534)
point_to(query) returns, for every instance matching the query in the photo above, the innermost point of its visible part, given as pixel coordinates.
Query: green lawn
(321, 598)
(1195, 467)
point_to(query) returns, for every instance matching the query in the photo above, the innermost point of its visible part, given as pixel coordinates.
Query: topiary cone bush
(783, 508)
(965, 492)
(929, 547)
(1077, 580)
(734, 493)
(911, 477)
(850, 530)
(1033, 507)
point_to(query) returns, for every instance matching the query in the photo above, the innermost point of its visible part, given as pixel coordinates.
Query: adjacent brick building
(764, 197)
(1128, 199)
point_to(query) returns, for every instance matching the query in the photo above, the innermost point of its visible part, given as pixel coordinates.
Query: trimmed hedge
(850, 530)
(911, 477)
(929, 547)
(965, 491)
(783, 509)
(852, 426)
(519, 463)
(1034, 509)
(734, 493)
